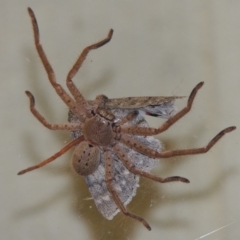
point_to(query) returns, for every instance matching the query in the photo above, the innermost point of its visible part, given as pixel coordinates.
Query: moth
(113, 143)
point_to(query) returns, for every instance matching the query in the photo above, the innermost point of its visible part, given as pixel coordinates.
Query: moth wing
(137, 102)
(162, 107)
(125, 183)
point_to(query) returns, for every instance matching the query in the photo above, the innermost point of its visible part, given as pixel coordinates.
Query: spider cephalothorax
(113, 143)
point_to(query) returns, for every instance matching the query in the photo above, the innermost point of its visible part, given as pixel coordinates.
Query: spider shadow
(120, 227)
(148, 200)
(194, 196)
(42, 101)
(36, 86)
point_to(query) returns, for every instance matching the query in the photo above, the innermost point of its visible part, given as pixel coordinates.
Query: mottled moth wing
(162, 107)
(125, 182)
(137, 102)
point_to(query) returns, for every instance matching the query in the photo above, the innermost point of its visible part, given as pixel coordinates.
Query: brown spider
(113, 143)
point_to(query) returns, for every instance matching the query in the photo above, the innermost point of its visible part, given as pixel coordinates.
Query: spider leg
(71, 86)
(51, 75)
(128, 118)
(141, 148)
(147, 131)
(55, 156)
(110, 187)
(105, 113)
(66, 126)
(130, 166)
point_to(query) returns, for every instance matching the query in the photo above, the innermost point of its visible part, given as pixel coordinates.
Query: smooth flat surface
(158, 48)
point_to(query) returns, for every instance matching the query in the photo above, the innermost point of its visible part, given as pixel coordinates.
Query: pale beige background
(158, 48)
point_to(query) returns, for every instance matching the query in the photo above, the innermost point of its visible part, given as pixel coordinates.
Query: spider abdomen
(98, 131)
(86, 158)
